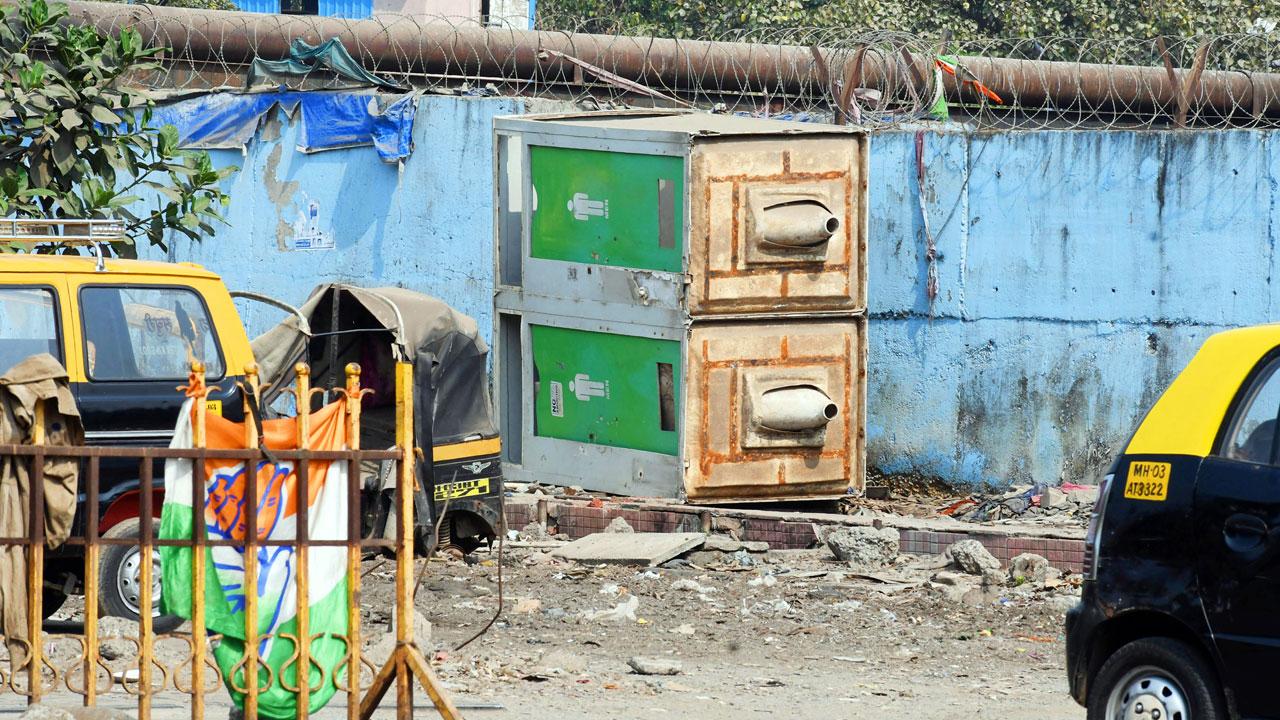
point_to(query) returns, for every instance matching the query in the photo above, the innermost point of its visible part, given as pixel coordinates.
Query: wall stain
(279, 192)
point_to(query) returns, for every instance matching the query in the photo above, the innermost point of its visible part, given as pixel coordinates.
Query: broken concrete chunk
(867, 547)
(691, 586)
(1028, 567)
(534, 532)
(733, 526)
(722, 543)
(972, 557)
(624, 611)
(1086, 497)
(948, 577)
(629, 549)
(755, 546)
(619, 525)
(1053, 498)
(655, 666)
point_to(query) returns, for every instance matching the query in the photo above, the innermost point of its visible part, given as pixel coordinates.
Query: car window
(146, 333)
(1253, 429)
(28, 325)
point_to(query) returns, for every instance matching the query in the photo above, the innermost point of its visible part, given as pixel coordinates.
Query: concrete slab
(629, 548)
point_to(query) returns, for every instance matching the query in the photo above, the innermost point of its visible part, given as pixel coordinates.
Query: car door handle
(1244, 532)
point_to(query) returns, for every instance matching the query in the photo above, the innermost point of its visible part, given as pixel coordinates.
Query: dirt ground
(796, 633)
(787, 633)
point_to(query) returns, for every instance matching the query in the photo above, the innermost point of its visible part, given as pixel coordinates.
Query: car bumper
(1082, 620)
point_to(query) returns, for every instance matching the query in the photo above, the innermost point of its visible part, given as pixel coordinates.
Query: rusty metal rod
(301, 499)
(352, 395)
(251, 544)
(35, 560)
(91, 557)
(235, 38)
(146, 636)
(199, 559)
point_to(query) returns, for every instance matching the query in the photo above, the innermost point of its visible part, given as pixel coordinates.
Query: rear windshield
(28, 325)
(147, 333)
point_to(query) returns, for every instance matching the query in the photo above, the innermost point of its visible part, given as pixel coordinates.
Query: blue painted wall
(426, 226)
(1078, 271)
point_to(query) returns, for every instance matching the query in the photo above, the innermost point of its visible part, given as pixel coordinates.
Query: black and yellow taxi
(1179, 617)
(126, 331)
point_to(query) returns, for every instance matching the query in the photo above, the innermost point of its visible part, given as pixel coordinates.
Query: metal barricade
(197, 676)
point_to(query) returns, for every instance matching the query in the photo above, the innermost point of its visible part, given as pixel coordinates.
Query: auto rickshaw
(453, 415)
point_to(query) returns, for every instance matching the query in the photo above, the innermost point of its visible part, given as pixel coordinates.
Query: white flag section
(224, 505)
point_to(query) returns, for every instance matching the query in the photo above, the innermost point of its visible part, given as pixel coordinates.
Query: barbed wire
(876, 79)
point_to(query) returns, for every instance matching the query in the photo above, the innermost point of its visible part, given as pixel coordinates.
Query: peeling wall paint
(425, 226)
(1078, 270)
(1078, 273)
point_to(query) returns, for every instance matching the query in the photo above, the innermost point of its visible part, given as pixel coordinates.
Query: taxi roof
(1187, 417)
(67, 264)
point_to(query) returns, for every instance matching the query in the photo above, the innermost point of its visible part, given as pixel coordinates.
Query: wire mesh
(870, 78)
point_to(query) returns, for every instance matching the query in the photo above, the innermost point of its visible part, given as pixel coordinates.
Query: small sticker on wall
(307, 234)
(557, 399)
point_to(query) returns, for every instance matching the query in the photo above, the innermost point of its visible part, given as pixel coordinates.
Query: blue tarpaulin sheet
(330, 120)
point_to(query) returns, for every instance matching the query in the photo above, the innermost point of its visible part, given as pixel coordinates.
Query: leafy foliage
(77, 142)
(965, 19)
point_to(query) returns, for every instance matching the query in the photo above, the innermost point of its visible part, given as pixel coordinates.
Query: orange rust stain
(828, 175)
(772, 269)
(848, 405)
(735, 424)
(782, 473)
(737, 217)
(786, 162)
(704, 458)
(785, 347)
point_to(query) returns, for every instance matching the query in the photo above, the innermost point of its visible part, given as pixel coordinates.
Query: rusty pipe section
(798, 408)
(393, 44)
(798, 225)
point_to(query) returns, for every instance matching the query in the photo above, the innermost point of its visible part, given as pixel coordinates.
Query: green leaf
(122, 200)
(104, 116)
(71, 119)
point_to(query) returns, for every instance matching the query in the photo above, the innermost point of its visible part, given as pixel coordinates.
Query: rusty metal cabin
(681, 302)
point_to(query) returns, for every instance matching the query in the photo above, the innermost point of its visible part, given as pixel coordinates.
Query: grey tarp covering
(37, 378)
(443, 344)
(305, 58)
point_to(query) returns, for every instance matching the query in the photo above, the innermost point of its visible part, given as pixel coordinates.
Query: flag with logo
(224, 504)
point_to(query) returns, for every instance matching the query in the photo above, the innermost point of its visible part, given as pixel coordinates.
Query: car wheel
(119, 573)
(1155, 679)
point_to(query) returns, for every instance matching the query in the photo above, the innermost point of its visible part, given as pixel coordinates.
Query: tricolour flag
(224, 516)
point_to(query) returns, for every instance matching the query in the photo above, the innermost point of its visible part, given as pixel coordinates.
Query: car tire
(117, 579)
(1156, 670)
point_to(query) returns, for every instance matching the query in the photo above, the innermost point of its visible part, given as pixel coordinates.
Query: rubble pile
(1068, 503)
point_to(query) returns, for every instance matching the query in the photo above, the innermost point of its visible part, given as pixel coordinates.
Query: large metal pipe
(796, 408)
(394, 44)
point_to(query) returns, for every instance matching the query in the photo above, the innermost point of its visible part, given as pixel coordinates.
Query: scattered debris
(655, 666)
(624, 611)
(1028, 567)
(619, 525)
(867, 547)
(630, 549)
(972, 557)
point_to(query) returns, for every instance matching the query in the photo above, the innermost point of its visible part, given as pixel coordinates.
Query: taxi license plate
(213, 407)
(462, 488)
(1148, 481)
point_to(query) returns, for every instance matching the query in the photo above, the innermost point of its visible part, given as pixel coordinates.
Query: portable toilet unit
(681, 304)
